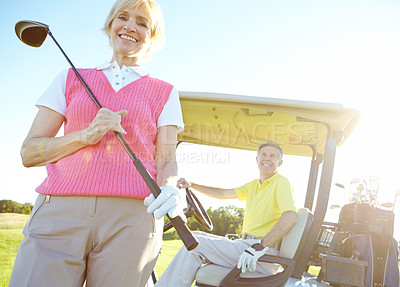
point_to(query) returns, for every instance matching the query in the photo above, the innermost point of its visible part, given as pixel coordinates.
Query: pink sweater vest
(105, 169)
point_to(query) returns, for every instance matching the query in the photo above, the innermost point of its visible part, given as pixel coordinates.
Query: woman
(89, 222)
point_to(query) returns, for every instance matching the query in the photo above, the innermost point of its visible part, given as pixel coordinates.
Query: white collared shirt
(54, 97)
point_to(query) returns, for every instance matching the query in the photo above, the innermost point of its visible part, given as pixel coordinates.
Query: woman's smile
(130, 36)
(127, 37)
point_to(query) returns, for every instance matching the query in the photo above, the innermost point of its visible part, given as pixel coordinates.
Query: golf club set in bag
(34, 34)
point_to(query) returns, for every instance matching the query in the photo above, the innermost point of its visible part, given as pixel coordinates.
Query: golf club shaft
(76, 71)
(187, 237)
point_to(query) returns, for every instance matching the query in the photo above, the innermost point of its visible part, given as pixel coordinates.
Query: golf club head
(31, 33)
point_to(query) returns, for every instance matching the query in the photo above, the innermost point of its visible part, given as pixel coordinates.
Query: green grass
(12, 220)
(169, 249)
(314, 270)
(9, 241)
(11, 226)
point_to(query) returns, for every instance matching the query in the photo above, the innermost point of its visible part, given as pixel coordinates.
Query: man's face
(268, 161)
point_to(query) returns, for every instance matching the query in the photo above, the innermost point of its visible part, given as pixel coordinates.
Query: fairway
(9, 241)
(12, 220)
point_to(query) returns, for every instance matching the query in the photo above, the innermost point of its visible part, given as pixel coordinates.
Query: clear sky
(342, 51)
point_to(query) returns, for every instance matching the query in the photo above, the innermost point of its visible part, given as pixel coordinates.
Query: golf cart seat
(212, 275)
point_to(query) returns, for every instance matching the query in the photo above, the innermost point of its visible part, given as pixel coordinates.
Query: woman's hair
(155, 17)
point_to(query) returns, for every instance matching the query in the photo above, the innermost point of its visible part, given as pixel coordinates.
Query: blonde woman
(89, 222)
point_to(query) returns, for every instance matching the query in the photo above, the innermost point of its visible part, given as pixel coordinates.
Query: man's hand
(169, 201)
(248, 260)
(182, 183)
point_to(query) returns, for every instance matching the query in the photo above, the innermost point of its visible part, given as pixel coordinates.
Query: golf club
(34, 33)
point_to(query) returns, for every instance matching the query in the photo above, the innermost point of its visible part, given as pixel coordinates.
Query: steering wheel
(194, 209)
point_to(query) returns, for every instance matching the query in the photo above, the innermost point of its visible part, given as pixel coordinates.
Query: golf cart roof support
(321, 205)
(312, 181)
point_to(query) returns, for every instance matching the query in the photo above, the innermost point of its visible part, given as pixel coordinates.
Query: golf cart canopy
(242, 122)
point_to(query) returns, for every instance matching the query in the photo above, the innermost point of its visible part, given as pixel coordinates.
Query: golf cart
(309, 129)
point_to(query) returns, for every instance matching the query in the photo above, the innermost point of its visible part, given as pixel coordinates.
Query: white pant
(215, 249)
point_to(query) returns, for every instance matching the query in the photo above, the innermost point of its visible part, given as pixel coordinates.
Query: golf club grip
(187, 237)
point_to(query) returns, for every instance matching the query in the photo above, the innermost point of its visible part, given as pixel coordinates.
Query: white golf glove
(248, 259)
(170, 200)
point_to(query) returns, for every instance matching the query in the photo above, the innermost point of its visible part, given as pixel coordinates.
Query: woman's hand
(41, 145)
(105, 121)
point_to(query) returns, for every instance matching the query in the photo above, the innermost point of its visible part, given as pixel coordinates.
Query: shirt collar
(141, 70)
(272, 178)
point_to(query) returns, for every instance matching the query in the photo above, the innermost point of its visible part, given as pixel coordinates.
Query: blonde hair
(154, 12)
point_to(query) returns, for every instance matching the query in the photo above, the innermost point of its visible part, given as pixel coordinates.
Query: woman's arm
(166, 166)
(42, 147)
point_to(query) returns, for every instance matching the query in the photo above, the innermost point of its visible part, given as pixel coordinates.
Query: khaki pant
(106, 241)
(216, 249)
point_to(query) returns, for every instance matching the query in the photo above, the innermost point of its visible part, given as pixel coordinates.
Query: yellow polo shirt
(265, 203)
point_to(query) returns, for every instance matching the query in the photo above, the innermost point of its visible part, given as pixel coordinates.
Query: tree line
(226, 220)
(9, 206)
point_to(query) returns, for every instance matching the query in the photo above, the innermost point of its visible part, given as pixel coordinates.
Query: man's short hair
(273, 144)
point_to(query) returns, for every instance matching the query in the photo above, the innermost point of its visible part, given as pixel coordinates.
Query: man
(270, 213)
